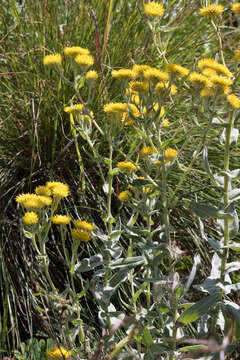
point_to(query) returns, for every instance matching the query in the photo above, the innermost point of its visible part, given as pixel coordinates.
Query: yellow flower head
(58, 189)
(139, 69)
(209, 72)
(127, 166)
(170, 154)
(237, 52)
(124, 195)
(91, 75)
(23, 197)
(162, 86)
(135, 99)
(71, 109)
(84, 225)
(234, 101)
(58, 353)
(31, 201)
(206, 92)
(78, 107)
(162, 111)
(43, 190)
(199, 79)
(30, 218)
(46, 200)
(53, 59)
(148, 150)
(213, 64)
(139, 86)
(155, 74)
(165, 123)
(86, 60)
(220, 81)
(81, 235)
(211, 10)
(61, 219)
(115, 108)
(154, 9)
(124, 74)
(177, 70)
(68, 109)
(134, 110)
(75, 50)
(236, 8)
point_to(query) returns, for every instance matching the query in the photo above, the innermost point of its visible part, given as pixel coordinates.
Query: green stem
(190, 166)
(75, 298)
(220, 47)
(149, 226)
(35, 245)
(175, 316)
(107, 29)
(45, 265)
(165, 204)
(226, 192)
(80, 161)
(109, 209)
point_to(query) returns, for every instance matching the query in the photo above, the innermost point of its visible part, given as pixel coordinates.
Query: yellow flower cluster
(58, 189)
(154, 9)
(91, 75)
(43, 196)
(75, 50)
(53, 59)
(170, 154)
(234, 101)
(237, 53)
(124, 195)
(138, 86)
(148, 150)
(221, 69)
(177, 70)
(61, 219)
(149, 78)
(125, 74)
(33, 201)
(156, 75)
(199, 79)
(127, 166)
(211, 10)
(115, 108)
(81, 56)
(58, 353)
(214, 77)
(236, 8)
(84, 225)
(30, 218)
(82, 231)
(85, 60)
(76, 107)
(81, 235)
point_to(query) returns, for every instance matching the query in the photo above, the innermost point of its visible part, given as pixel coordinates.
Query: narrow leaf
(198, 309)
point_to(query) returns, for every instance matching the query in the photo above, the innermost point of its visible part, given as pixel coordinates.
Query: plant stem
(75, 298)
(107, 29)
(45, 264)
(226, 192)
(220, 48)
(190, 166)
(165, 205)
(80, 161)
